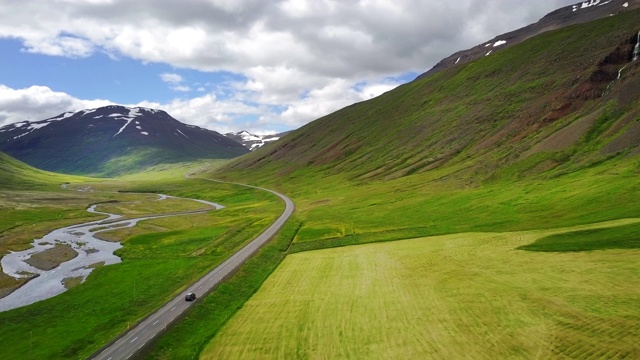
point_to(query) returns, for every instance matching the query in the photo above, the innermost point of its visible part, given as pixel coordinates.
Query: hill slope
(18, 175)
(112, 140)
(579, 13)
(554, 100)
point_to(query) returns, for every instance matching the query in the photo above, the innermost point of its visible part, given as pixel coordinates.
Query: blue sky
(231, 65)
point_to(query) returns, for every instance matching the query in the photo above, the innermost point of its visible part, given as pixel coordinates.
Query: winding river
(91, 251)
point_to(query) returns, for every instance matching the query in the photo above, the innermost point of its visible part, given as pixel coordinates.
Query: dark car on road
(190, 297)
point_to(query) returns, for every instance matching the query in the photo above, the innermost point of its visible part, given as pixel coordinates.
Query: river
(91, 251)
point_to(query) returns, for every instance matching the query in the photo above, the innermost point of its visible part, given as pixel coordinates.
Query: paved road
(144, 332)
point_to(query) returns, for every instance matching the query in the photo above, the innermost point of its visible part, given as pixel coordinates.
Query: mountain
(112, 140)
(252, 141)
(561, 100)
(18, 175)
(582, 12)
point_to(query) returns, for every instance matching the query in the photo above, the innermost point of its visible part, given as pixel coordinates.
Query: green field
(159, 258)
(494, 208)
(472, 295)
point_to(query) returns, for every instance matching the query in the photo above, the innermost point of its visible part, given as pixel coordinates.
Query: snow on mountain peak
(133, 113)
(62, 116)
(590, 3)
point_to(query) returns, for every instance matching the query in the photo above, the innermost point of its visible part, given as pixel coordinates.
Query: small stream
(91, 251)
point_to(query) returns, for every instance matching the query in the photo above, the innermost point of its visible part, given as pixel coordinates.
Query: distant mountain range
(579, 13)
(252, 141)
(112, 140)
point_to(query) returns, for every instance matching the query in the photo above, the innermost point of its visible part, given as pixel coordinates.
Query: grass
(159, 259)
(336, 212)
(18, 175)
(483, 114)
(188, 338)
(620, 237)
(443, 297)
(53, 257)
(436, 156)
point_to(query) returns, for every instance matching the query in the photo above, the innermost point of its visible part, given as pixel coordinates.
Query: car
(190, 297)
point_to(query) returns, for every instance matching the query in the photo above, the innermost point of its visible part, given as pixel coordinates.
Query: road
(144, 332)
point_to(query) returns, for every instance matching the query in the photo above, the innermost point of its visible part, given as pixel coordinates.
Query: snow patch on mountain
(133, 113)
(499, 42)
(590, 3)
(62, 116)
(34, 126)
(88, 111)
(182, 133)
(247, 136)
(252, 141)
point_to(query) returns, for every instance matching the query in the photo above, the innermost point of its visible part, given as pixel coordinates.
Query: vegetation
(442, 297)
(160, 257)
(187, 339)
(475, 119)
(522, 139)
(504, 151)
(18, 175)
(620, 237)
(513, 152)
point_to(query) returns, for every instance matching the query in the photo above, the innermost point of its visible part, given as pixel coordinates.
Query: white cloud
(171, 78)
(181, 88)
(308, 57)
(175, 82)
(38, 103)
(322, 37)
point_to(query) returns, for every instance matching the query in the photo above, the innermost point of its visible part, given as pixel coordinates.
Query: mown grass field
(471, 295)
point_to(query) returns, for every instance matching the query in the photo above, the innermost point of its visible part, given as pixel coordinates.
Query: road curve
(129, 343)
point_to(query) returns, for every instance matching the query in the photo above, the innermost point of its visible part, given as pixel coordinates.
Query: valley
(489, 208)
(160, 258)
(72, 253)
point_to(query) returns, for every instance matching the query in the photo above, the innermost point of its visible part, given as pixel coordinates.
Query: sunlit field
(473, 295)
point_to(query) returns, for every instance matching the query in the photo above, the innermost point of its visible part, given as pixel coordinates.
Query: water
(636, 54)
(636, 49)
(81, 238)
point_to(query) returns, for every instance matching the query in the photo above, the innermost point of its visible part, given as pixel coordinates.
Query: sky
(265, 66)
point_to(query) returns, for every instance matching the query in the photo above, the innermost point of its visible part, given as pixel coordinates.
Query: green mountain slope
(539, 135)
(542, 96)
(18, 175)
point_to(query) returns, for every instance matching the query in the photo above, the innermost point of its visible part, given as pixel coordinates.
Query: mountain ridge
(111, 140)
(582, 12)
(479, 119)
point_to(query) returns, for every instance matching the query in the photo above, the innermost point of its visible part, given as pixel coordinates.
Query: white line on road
(134, 339)
(155, 322)
(173, 308)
